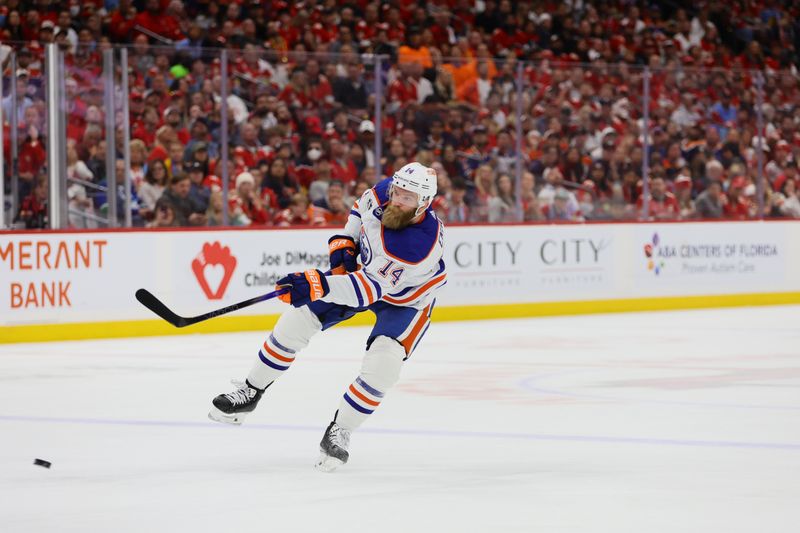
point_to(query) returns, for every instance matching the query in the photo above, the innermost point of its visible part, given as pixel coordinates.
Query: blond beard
(395, 217)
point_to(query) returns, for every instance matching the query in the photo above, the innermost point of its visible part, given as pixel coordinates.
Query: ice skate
(231, 408)
(333, 448)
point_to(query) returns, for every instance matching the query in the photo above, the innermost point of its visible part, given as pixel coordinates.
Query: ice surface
(654, 422)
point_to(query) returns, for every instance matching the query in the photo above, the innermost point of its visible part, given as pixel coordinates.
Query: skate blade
(235, 419)
(327, 464)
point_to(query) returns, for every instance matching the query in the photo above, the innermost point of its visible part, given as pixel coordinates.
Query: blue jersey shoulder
(382, 190)
(414, 243)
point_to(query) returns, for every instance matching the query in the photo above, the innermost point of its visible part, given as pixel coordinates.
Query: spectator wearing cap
(735, 205)
(47, 32)
(366, 140)
(199, 152)
(554, 180)
(559, 208)
(199, 192)
(199, 131)
(64, 44)
(24, 101)
(246, 206)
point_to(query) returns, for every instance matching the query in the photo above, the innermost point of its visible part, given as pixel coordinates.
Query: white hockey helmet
(419, 179)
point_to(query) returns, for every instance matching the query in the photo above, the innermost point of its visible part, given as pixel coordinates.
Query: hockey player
(399, 241)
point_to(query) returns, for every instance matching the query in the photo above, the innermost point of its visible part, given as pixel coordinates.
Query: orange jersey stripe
(363, 398)
(366, 284)
(408, 342)
(276, 355)
(416, 294)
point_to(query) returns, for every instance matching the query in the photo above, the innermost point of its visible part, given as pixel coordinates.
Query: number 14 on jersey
(395, 273)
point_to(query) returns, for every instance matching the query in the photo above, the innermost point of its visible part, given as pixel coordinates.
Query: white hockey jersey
(401, 267)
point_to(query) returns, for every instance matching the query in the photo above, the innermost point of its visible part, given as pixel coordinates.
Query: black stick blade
(155, 305)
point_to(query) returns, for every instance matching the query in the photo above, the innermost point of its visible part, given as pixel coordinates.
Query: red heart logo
(206, 267)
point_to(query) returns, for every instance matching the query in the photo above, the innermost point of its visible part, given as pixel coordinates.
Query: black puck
(41, 462)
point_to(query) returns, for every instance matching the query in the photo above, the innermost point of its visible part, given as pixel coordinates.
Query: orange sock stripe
(276, 355)
(363, 398)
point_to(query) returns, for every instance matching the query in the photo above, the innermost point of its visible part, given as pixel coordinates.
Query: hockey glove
(342, 252)
(304, 287)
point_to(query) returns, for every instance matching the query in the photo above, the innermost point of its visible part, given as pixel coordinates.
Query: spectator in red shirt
(245, 204)
(662, 204)
(296, 214)
(735, 205)
(33, 208)
(342, 168)
(163, 24)
(332, 209)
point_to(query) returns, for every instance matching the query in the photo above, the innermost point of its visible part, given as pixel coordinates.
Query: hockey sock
(292, 333)
(359, 401)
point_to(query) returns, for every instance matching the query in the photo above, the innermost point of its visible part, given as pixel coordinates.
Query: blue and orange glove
(343, 255)
(304, 287)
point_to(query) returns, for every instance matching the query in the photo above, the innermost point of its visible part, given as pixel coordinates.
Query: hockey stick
(147, 299)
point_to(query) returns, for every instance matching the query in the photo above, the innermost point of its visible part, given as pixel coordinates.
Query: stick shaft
(147, 299)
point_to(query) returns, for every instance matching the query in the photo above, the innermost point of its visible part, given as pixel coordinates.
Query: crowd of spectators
(722, 107)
